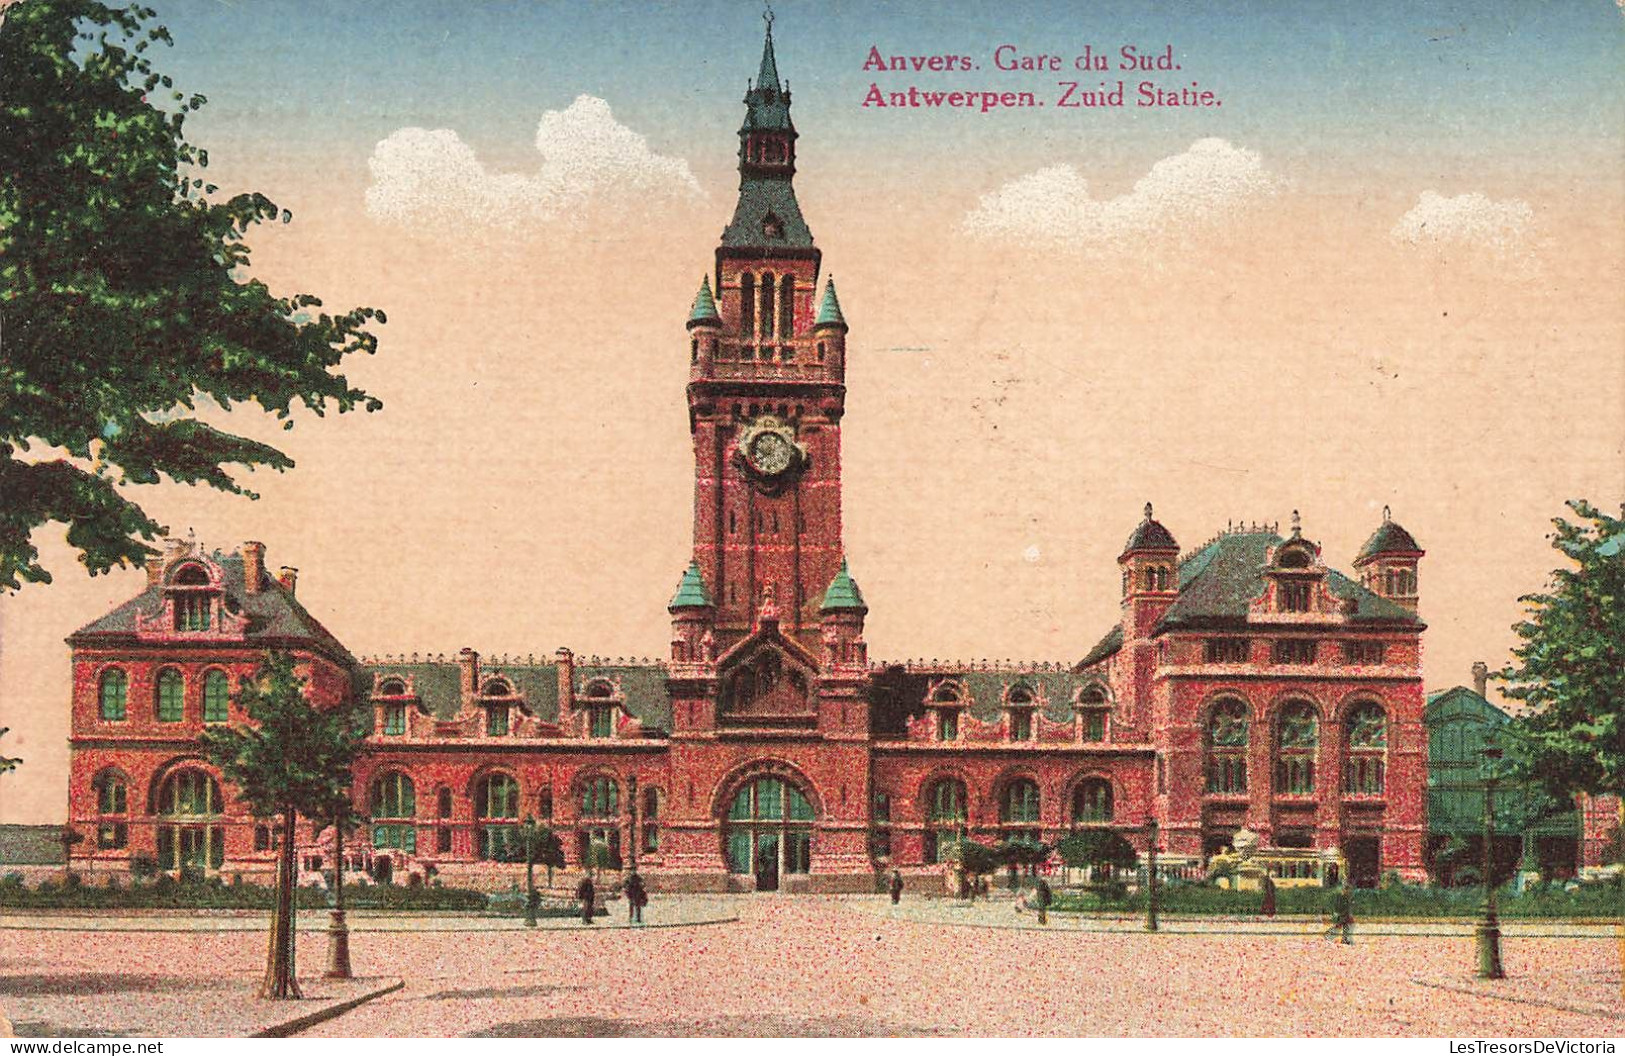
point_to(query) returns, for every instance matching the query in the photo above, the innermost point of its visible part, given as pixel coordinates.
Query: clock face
(771, 454)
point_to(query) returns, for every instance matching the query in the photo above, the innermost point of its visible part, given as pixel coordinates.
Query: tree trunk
(281, 983)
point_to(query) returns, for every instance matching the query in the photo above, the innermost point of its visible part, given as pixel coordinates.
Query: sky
(1388, 270)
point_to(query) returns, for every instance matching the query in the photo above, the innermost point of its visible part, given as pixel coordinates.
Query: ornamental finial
(1148, 511)
(1387, 515)
(767, 16)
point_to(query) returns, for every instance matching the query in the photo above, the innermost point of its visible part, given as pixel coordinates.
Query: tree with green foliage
(1100, 849)
(1570, 666)
(289, 760)
(125, 303)
(7, 763)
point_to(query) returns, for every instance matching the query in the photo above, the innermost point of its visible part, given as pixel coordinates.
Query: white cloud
(1209, 182)
(1470, 219)
(587, 158)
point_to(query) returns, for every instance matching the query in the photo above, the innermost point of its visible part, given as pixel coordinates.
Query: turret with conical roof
(843, 610)
(829, 309)
(704, 312)
(691, 609)
(843, 592)
(1387, 563)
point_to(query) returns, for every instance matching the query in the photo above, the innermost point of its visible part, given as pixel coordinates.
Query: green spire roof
(829, 311)
(843, 592)
(691, 592)
(768, 75)
(705, 306)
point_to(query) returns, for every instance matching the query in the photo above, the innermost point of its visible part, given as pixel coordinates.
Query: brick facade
(767, 749)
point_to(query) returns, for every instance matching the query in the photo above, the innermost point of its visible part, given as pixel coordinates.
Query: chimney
(1481, 679)
(567, 680)
(155, 570)
(469, 661)
(253, 566)
(288, 577)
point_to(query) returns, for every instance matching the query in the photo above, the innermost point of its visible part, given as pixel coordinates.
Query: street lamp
(1488, 932)
(1151, 874)
(531, 836)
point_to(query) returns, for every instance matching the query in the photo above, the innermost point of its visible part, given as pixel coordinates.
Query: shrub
(72, 880)
(114, 883)
(143, 867)
(12, 880)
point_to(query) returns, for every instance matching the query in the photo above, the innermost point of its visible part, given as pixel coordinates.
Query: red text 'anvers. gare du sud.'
(1065, 94)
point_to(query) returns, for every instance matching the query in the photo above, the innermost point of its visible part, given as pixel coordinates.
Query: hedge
(1590, 900)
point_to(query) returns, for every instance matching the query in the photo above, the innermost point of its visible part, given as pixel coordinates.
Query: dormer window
(189, 589)
(947, 699)
(496, 720)
(1092, 708)
(1020, 703)
(1294, 597)
(602, 706)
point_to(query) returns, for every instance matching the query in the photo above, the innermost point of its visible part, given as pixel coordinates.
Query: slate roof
(843, 592)
(1218, 583)
(705, 305)
(1150, 535)
(829, 311)
(899, 693)
(1389, 538)
(439, 688)
(275, 616)
(691, 592)
(759, 196)
(767, 103)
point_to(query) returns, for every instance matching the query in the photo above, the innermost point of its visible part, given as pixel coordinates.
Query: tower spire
(768, 76)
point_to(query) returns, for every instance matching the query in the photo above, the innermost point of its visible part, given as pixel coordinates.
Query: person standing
(1269, 896)
(896, 887)
(636, 898)
(1342, 915)
(585, 892)
(1042, 897)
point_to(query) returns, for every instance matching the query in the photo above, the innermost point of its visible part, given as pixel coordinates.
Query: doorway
(767, 862)
(1364, 855)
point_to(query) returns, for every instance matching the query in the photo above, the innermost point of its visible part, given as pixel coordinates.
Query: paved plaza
(789, 965)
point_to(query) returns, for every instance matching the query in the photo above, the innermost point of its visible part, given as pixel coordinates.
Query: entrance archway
(767, 831)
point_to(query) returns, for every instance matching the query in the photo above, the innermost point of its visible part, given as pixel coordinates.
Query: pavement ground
(809, 966)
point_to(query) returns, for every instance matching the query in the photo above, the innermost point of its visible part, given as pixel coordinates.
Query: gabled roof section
(761, 197)
(276, 618)
(439, 686)
(1111, 643)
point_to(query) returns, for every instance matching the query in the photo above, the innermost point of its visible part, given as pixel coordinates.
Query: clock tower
(765, 397)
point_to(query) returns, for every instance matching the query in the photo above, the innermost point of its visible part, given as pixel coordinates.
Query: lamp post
(338, 931)
(1151, 874)
(530, 833)
(1488, 932)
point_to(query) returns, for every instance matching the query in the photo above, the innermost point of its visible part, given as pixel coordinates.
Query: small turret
(1387, 563)
(704, 326)
(691, 608)
(829, 332)
(843, 610)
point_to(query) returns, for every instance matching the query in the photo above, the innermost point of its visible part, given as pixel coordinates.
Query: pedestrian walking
(636, 898)
(585, 892)
(1342, 915)
(1042, 897)
(1269, 896)
(896, 887)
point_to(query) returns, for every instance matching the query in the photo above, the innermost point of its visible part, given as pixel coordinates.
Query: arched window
(114, 692)
(747, 305)
(651, 820)
(190, 576)
(1092, 801)
(1227, 730)
(945, 815)
(394, 797)
(171, 696)
(1019, 804)
(190, 836)
(600, 797)
(766, 307)
(947, 699)
(769, 831)
(1093, 707)
(496, 808)
(1294, 558)
(392, 687)
(787, 308)
(1297, 737)
(216, 697)
(1367, 734)
(112, 806)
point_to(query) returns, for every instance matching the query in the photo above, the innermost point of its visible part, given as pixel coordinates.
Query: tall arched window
(1019, 804)
(1092, 801)
(1367, 736)
(190, 835)
(1093, 707)
(747, 305)
(216, 697)
(171, 696)
(769, 831)
(496, 809)
(787, 308)
(600, 817)
(766, 307)
(945, 816)
(114, 693)
(1227, 730)
(394, 797)
(112, 809)
(1297, 738)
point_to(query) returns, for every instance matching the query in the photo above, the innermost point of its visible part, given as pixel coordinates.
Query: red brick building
(1246, 683)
